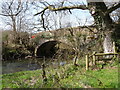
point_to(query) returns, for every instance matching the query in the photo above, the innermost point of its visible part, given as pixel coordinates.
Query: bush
(15, 47)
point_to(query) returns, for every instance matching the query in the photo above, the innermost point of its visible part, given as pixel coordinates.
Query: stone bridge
(51, 41)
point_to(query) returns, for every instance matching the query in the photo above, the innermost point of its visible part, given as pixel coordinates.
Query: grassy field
(67, 76)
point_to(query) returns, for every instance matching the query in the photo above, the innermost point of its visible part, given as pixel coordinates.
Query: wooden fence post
(94, 60)
(87, 62)
(114, 50)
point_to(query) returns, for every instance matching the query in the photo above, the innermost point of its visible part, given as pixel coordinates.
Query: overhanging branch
(113, 8)
(52, 8)
(83, 7)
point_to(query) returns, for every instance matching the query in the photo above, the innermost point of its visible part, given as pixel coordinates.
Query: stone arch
(47, 49)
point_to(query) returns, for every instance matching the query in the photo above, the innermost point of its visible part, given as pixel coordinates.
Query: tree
(14, 13)
(100, 12)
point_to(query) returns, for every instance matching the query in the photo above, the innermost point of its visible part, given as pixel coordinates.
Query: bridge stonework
(49, 39)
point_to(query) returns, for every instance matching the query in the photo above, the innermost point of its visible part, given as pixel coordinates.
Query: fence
(105, 57)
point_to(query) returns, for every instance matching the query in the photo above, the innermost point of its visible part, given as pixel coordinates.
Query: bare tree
(14, 11)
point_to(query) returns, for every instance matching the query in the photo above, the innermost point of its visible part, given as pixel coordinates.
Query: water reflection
(27, 64)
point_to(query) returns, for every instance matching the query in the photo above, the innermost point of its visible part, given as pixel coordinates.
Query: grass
(19, 79)
(67, 76)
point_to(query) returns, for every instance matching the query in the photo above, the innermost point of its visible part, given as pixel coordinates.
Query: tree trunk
(103, 23)
(107, 44)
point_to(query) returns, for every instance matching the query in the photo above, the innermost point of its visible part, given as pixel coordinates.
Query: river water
(13, 66)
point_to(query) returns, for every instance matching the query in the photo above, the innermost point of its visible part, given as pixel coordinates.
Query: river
(12, 66)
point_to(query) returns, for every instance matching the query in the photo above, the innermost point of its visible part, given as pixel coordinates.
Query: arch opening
(47, 49)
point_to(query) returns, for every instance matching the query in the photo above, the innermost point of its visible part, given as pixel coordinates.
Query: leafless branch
(6, 15)
(41, 11)
(11, 4)
(51, 7)
(83, 7)
(113, 8)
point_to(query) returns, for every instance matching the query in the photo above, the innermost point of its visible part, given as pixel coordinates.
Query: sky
(71, 18)
(1, 24)
(81, 16)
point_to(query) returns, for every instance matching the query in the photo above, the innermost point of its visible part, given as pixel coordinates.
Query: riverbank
(67, 76)
(12, 66)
